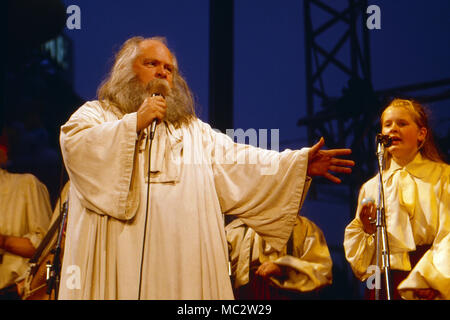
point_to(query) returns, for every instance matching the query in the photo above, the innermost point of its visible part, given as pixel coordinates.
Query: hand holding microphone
(368, 215)
(153, 110)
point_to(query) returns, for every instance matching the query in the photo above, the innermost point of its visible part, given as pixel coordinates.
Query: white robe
(197, 174)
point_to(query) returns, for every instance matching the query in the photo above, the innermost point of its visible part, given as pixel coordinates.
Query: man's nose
(161, 73)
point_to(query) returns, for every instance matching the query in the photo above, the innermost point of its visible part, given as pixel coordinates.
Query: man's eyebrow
(145, 59)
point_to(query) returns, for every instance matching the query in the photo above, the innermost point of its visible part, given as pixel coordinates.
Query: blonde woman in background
(417, 205)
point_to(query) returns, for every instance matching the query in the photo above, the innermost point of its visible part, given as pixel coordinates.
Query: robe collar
(166, 157)
(167, 146)
(419, 168)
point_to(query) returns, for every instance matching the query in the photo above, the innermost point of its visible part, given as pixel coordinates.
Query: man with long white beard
(125, 241)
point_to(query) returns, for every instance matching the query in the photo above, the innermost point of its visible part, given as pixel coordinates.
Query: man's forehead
(156, 48)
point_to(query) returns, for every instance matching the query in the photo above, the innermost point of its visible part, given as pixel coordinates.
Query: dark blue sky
(269, 75)
(412, 46)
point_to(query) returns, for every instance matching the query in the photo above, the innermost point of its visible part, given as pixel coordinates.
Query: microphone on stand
(382, 246)
(383, 141)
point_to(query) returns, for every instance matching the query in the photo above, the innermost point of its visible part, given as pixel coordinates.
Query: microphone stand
(382, 251)
(55, 269)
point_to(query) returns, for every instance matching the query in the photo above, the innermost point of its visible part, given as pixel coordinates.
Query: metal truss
(338, 50)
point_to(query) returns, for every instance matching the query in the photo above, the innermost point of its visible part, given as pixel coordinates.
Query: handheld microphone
(161, 88)
(383, 141)
(156, 87)
(367, 200)
(155, 121)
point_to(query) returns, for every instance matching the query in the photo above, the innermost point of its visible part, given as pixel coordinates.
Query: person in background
(416, 184)
(24, 218)
(297, 271)
(33, 285)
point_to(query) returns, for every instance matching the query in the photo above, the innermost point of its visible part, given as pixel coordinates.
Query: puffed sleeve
(240, 240)
(38, 209)
(310, 265)
(359, 246)
(99, 153)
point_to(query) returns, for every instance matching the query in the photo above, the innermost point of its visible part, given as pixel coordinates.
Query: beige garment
(57, 211)
(24, 212)
(308, 268)
(417, 213)
(197, 174)
(30, 287)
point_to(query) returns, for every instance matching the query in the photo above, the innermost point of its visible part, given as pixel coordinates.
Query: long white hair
(122, 88)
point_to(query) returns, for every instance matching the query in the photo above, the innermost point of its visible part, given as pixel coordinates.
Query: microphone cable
(149, 142)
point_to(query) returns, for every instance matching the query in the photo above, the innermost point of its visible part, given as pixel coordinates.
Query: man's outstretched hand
(320, 162)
